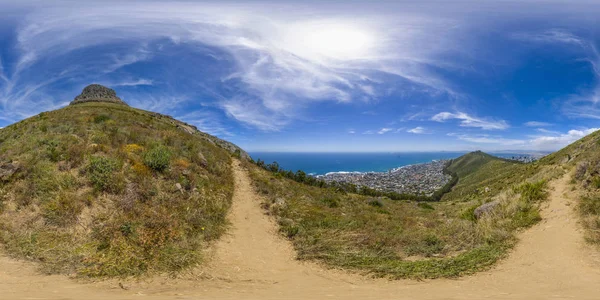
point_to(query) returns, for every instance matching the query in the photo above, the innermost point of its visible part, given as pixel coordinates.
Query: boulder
(485, 208)
(7, 170)
(97, 93)
(202, 159)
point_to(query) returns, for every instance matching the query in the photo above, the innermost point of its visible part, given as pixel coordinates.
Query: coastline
(319, 164)
(392, 170)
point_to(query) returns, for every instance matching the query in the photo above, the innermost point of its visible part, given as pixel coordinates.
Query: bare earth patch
(254, 262)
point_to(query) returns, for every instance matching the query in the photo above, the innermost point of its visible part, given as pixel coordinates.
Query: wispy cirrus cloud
(470, 121)
(537, 124)
(555, 35)
(559, 140)
(551, 141)
(206, 121)
(488, 139)
(279, 74)
(585, 104)
(417, 130)
(2, 74)
(384, 130)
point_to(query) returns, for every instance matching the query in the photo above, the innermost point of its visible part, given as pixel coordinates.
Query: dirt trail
(253, 262)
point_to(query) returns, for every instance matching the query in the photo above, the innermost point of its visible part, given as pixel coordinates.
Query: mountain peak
(97, 93)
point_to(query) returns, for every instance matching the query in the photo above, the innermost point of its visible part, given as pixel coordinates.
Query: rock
(97, 93)
(8, 170)
(202, 159)
(277, 206)
(64, 166)
(187, 128)
(179, 187)
(485, 208)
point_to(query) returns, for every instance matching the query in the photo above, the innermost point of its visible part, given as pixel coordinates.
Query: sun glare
(336, 41)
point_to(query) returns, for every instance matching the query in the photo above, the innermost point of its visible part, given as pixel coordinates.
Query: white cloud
(207, 122)
(537, 124)
(469, 121)
(552, 142)
(268, 47)
(543, 130)
(2, 74)
(130, 83)
(417, 130)
(351, 131)
(487, 139)
(587, 103)
(550, 36)
(384, 130)
(253, 114)
(555, 142)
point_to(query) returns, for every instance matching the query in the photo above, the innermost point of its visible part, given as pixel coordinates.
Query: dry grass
(397, 239)
(107, 190)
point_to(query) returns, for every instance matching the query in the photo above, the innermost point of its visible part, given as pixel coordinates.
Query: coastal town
(423, 178)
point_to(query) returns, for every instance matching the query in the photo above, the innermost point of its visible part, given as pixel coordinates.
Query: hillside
(583, 158)
(472, 162)
(481, 174)
(410, 239)
(101, 189)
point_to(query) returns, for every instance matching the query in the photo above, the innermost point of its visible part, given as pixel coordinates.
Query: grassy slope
(108, 190)
(404, 239)
(583, 157)
(479, 172)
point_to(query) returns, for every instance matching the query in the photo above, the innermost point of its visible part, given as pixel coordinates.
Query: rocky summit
(97, 93)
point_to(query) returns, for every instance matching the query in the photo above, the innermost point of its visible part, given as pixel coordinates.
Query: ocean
(323, 163)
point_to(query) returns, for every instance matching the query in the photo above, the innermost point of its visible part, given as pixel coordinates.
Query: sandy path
(253, 262)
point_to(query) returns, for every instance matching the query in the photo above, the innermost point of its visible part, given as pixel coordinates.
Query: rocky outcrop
(8, 170)
(191, 129)
(485, 209)
(98, 93)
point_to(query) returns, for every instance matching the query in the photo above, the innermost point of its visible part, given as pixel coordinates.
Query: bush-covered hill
(471, 162)
(583, 157)
(101, 189)
(410, 239)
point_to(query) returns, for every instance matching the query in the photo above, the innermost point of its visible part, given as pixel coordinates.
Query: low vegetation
(301, 177)
(100, 189)
(584, 158)
(402, 238)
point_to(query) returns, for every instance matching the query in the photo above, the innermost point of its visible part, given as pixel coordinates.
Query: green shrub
(375, 203)
(589, 206)
(62, 210)
(427, 246)
(101, 118)
(533, 192)
(158, 158)
(425, 205)
(469, 213)
(596, 182)
(237, 154)
(331, 201)
(103, 173)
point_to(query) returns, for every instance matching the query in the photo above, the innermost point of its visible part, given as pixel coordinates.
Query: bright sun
(331, 40)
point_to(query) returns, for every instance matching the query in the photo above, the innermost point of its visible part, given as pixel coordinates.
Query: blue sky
(320, 76)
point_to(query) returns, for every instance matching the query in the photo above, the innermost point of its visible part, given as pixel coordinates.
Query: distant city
(412, 179)
(423, 178)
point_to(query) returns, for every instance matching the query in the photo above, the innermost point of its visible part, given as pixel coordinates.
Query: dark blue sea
(322, 163)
